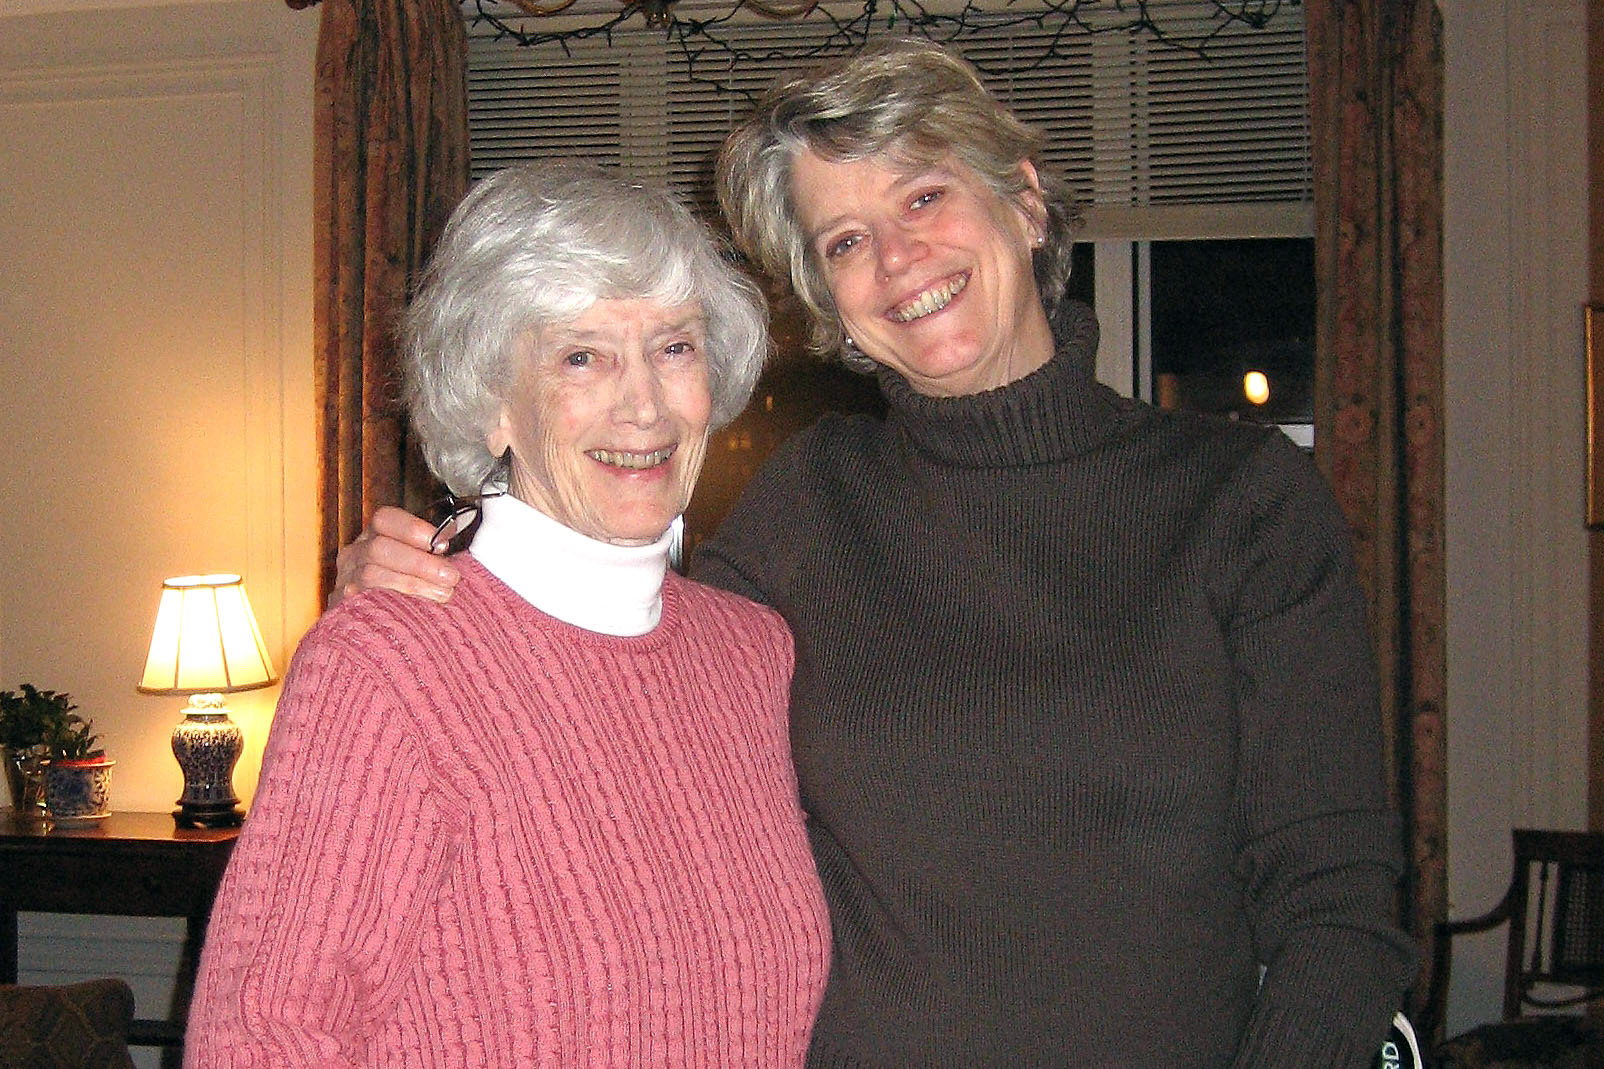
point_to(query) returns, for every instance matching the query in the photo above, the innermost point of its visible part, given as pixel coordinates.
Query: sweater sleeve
(745, 555)
(1319, 849)
(331, 881)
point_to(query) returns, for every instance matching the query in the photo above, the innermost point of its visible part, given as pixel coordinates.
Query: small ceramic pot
(78, 790)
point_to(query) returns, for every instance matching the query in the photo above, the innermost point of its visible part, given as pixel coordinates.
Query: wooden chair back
(1554, 910)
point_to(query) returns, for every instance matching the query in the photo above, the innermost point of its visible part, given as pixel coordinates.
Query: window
(1154, 140)
(1184, 163)
(1233, 329)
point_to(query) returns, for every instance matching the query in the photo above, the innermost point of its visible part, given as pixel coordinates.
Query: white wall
(155, 347)
(1516, 276)
(156, 404)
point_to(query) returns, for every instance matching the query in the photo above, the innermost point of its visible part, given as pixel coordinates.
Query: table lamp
(206, 644)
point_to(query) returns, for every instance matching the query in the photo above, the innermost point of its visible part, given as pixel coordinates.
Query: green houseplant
(32, 722)
(77, 774)
(73, 741)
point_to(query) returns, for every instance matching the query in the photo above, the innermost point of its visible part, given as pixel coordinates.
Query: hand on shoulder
(394, 553)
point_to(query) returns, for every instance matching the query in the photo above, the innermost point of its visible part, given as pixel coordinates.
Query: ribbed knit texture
(1086, 726)
(486, 838)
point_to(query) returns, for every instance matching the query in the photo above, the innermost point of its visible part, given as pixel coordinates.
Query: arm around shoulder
(397, 551)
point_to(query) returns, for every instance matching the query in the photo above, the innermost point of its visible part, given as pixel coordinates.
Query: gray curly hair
(909, 100)
(535, 246)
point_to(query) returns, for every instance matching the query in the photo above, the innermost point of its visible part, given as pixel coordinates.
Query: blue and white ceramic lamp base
(207, 745)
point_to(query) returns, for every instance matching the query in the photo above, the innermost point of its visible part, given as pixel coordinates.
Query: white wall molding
(157, 201)
(248, 86)
(1548, 228)
(86, 7)
(1514, 218)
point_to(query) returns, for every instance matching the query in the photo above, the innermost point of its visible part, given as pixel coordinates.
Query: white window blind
(1155, 141)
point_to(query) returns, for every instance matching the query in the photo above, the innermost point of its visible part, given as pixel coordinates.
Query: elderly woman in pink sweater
(554, 821)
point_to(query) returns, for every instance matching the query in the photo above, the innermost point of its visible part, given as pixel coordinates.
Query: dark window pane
(1082, 273)
(1222, 309)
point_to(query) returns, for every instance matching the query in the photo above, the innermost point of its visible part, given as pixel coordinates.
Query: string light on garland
(704, 40)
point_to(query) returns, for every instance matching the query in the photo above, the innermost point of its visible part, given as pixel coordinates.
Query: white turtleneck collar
(616, 590)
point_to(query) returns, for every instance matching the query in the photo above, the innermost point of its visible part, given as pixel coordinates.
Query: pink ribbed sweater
(483, 837)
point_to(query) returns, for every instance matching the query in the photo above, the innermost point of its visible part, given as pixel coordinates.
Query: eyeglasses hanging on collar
(457, 518)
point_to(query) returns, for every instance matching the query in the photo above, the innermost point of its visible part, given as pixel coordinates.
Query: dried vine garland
(704, 40)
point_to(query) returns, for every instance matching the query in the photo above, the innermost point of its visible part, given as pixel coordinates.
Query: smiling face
(930, 270)
(608, 419)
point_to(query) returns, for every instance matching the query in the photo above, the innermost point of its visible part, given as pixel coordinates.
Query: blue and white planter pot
(78, 791)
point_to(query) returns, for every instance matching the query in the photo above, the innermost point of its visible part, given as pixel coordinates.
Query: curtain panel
(391, 162)
(1376, 77)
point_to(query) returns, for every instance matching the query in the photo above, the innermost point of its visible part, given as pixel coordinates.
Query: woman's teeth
(634, 461)
(933, 299)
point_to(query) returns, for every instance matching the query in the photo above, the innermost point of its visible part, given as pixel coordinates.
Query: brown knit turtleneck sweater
(1085, 722)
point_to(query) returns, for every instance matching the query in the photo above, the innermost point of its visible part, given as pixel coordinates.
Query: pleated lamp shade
(206, 640)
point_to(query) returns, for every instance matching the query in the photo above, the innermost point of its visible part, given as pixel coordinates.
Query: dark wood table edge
(149, 829)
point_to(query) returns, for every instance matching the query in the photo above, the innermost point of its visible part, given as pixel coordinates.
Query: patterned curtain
(1375, 70)
(391, 162)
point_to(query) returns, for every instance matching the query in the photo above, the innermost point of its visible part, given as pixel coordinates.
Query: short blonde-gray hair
(907, 99)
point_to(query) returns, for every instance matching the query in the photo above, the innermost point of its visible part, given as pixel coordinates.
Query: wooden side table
(130, 865)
